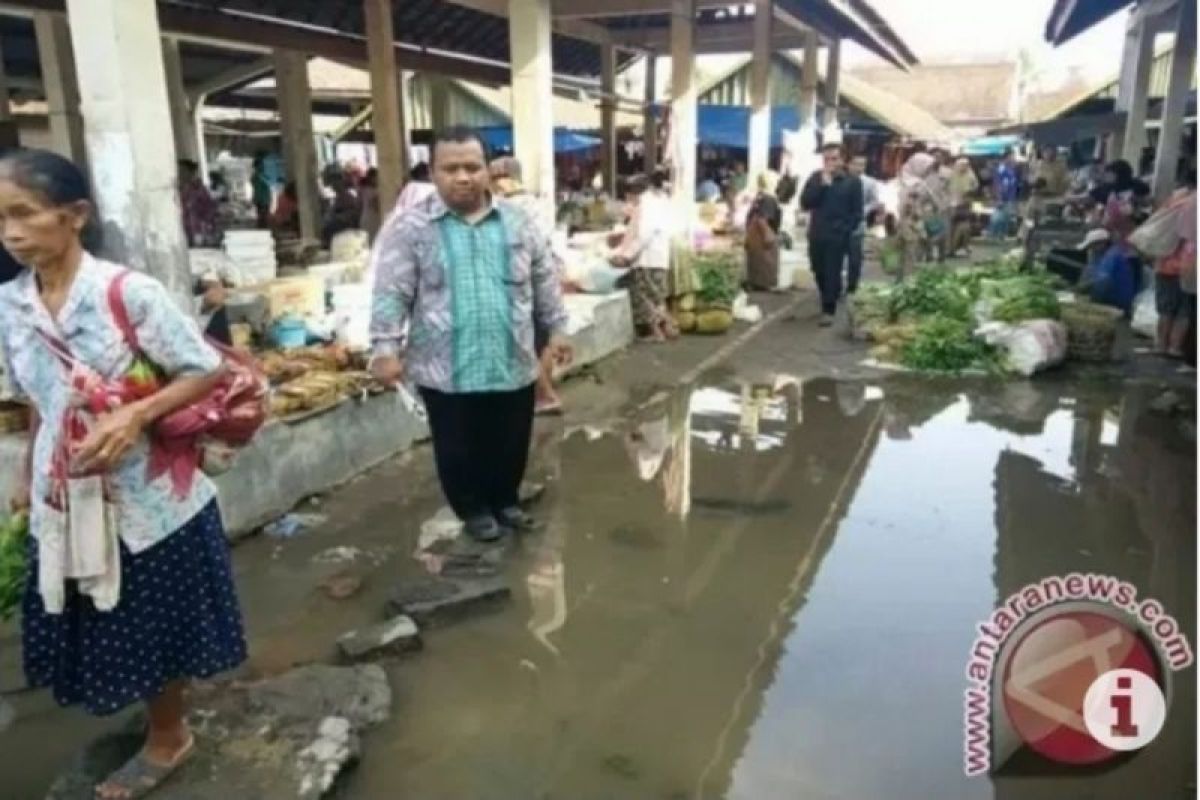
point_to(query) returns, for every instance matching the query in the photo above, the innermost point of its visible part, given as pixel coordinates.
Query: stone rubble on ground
(394, 637)
(437, 601)
(284, 738)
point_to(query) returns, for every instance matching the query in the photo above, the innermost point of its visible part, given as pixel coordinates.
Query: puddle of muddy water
(771, 592)
(766, 591)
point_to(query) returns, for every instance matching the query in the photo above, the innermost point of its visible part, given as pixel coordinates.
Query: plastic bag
(1145, 314)
(1030, 346)
(1158, 236)
(742, 310)
(843, 318)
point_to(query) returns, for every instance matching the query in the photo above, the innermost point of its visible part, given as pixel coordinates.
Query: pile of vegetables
(927, 321)
(710, 309)
(13, 532)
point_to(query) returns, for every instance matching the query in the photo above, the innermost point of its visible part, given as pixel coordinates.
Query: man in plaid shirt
(461, 282)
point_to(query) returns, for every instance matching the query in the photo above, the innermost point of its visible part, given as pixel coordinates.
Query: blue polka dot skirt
(177, 618)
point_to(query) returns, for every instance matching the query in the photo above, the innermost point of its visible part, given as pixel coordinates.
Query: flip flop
(139, 776)
(549, 410)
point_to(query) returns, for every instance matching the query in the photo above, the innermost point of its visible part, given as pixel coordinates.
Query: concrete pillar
(387, 118)
(608, 116)
(831, 128)
(529, 24)
(130, 145)
(760, 90)
(404, 98)
(809, 79)
(683, 116)
(649, 121)
(61, 85)
(439, 100)
(183, 122)
(1133, 90)
(299, 146)
(1183, 68)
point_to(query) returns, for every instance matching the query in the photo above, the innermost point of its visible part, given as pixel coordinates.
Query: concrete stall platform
(290, 461)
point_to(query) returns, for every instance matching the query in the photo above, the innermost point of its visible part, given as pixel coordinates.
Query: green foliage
(13, 533)
(717, 275)
(1019, 300)
(930, 292)
(946, 344)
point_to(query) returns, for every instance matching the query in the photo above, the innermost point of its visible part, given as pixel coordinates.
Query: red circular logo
(1050, 670)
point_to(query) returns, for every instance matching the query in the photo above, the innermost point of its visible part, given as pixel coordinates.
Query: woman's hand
(113, 436)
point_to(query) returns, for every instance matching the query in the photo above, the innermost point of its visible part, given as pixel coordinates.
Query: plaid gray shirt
(415, 294)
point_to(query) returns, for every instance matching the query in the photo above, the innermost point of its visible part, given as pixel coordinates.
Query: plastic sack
(742, 310)
(1145, 314)
(349, 245)
(1030, 346)
(1158, 236)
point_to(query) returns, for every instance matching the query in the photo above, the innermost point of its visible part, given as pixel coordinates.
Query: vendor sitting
(1113, 274)
(645, 249)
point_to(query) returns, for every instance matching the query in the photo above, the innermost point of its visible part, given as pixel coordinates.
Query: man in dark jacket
(834, 202)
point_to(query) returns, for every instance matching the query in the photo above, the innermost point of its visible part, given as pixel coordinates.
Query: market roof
(893, 112)
(953, 93)
(1160, 72)
(1069, 18)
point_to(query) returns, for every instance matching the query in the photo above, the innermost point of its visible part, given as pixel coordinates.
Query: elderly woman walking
(130, 591)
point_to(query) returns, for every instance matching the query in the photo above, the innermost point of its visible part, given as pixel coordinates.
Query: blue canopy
(729, 126)
(565, 140)
(990, 145)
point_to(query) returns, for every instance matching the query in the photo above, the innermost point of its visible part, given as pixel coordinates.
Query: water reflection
(769, 591)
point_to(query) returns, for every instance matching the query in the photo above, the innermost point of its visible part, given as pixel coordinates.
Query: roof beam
(232, 78)
(241, 31)
(731, 37)
(570, 9)
(574, 28)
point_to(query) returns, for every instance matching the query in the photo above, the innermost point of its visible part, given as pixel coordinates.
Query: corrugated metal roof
(1069, 18)
(733, 88)
(1160, 72)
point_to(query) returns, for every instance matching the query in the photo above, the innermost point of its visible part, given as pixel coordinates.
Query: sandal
(549, 408)
(139, 776)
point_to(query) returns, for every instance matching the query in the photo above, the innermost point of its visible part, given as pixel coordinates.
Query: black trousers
(827, 257)
(481, 446)
(854, 262)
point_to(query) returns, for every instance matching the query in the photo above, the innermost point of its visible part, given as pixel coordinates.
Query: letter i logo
(1124, 709)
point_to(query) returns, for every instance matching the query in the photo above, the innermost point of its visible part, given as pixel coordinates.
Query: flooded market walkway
(757, 592)
(770, 592)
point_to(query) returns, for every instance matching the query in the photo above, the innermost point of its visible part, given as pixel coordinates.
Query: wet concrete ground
(760, 585)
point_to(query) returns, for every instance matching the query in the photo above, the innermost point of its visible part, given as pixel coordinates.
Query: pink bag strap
(116, 304)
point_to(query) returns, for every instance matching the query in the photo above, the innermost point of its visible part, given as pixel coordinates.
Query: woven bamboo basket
(1091, 331)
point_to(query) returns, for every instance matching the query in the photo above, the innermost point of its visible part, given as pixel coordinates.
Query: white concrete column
(299, 145)
(802, 147)
(130, 144)
(529, 23)
(608, 116)
(809, 80)
(183, 122)
(649, 121)
(1133, 90)
(760, 90)
(1183, 69)
(388, 115)
(404, 87)
(439, 100)
(830, 127)
(61, 85)
(684, 133)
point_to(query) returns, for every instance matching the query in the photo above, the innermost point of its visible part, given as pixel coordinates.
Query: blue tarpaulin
(729, 126)
(990, 145)
(565, 141)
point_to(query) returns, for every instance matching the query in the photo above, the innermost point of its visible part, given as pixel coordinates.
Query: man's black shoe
(483, 529)
(514, 519)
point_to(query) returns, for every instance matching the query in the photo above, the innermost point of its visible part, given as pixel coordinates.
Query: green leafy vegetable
(13, 533)
(717, 276)
(946, 344)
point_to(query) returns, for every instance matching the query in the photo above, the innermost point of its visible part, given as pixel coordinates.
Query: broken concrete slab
(286, 738)
(438, 601)
(397, 636)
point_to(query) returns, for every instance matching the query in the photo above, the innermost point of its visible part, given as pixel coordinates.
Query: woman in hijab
(762, 235)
